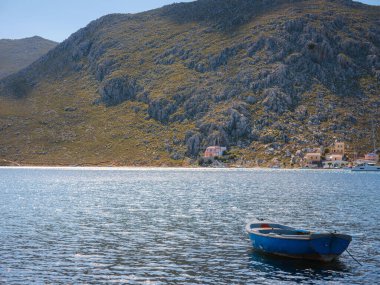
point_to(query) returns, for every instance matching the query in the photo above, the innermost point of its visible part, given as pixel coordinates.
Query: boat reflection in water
(280, 268)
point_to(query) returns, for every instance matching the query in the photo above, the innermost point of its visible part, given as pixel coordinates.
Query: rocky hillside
(18, 54)
(267, 78)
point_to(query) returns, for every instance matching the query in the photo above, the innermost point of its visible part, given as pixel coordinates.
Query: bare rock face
(193, 143)
(118, 90)
(161, 109)
(277, 101)
(217, 137)
(196, 106)
(104, 68)
(238, 125)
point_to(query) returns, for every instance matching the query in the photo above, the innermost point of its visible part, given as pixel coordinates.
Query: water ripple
(176, 226)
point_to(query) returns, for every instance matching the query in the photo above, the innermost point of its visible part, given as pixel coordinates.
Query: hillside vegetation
(268, 79)
(18, 54)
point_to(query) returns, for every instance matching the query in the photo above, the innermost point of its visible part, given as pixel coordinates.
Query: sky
(58, 19)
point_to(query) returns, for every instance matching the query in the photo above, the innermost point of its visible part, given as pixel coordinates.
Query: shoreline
(191, 167)
(161, 168)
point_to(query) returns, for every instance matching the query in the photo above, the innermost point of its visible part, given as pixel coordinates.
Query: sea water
(179, 226)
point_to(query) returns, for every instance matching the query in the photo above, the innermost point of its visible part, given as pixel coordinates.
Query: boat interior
(270, 231)
(277, 229)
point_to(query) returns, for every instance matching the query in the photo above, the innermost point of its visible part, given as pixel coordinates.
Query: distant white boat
(366, 167)
(369, 166)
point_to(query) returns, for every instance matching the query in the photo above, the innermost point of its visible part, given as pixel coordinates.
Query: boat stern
(330, 245)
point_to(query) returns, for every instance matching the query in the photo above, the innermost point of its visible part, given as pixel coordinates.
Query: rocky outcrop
(277, 101)
(118, 90)
(161, 110)
(238, 125)
(193, 144)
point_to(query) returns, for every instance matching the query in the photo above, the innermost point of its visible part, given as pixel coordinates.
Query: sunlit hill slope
(264, 78)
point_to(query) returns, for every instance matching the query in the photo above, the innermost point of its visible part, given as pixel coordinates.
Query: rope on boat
(354, 258)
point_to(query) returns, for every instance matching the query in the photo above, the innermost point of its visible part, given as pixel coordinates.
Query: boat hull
(316, 246)
(366, 167)
(366, 170)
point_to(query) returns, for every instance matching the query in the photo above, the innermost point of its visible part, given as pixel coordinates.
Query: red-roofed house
(213, 151)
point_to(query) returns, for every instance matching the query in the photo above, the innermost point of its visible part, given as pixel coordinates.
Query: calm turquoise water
(62, 226)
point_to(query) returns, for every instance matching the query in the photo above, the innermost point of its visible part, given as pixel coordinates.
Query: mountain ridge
(16, 54)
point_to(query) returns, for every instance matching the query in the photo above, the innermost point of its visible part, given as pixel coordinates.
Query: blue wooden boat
(290, 242)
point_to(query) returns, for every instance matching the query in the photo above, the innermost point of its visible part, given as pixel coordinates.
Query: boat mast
(373, 137)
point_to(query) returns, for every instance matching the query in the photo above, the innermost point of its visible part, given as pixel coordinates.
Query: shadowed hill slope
(18, 54)
(265, 78)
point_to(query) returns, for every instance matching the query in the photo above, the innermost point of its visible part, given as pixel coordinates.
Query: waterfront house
(334, 157)
(338, 148)
(371, 157)
(335, 161)
(213, 151)
(312, 159)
